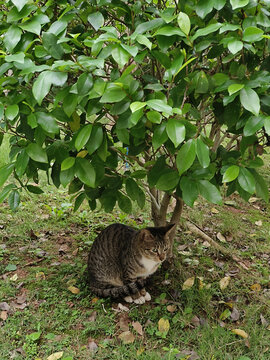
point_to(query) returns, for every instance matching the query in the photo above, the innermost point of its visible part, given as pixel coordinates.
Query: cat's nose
(162, 257)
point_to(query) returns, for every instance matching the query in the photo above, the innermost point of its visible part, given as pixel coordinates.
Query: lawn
(204, 306)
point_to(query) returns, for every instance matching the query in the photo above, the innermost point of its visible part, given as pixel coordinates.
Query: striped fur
(115, 262)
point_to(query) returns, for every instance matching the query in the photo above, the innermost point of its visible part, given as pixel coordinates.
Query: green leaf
(253, 124)
(219, 4)
(202, 151)
(246, 180)
(34, 336)
(189, 189)
(238, 3)
(42, 85)
(47, 122)
(84, 84)
(124, 203)
(67, 163)
(19, 57)
(67, 176)
(19, 3)
(252, 34)
(113, 93)
(250, 100)
(36, 153)
(168, 180)
(12, 111)
(70, 103)
(202, 84)
(160, 136)
(206, 31)
(78, 202)
(267, 124)
(183, 22)
(260, 186)
(154, 116)
(83, 136)
(234, 88)
(12, 37)
(120, 56)
(85, 172)
(186, 156)
(156, 170)
(14, 199)
(33, 25)
(204, 7)
(235, 45)
(176, 131)
(95, 139)
(34, 189)
(231, 173)
(5, 171)
(209, 192)
(21, 163)
(6, 190)
(159, 105)
(137, 105)
(148, 25)
(143, 40)
(169, 31)
(96, 19)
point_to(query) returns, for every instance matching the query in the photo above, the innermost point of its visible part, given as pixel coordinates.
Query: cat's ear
(169, 228)
(145, 235)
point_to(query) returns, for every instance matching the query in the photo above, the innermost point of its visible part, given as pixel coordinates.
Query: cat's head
(154, 242)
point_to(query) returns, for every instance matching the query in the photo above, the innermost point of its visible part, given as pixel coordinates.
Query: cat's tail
(119, 291)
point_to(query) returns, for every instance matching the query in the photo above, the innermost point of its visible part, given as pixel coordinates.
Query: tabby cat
(121, 258)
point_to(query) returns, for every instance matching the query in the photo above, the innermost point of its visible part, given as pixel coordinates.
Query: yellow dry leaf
(94, 300)
(171, 308)
(258, 223)
(140, 351)
(14, 277)
(163, 325)
(75, 123)
(4, 315)
(214, 211)
(221, 237)
(240, 332)
(40, 275)
(74, 290)
(82, 153)
(188, 283)
(55, 356)
(223, 283)
(256, 287)
(127, 337)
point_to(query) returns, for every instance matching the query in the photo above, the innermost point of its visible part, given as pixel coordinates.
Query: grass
(43, 251)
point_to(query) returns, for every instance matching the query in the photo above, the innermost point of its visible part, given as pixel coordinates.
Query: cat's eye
(155, 250)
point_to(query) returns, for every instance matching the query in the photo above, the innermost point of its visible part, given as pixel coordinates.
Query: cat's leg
(145, 294)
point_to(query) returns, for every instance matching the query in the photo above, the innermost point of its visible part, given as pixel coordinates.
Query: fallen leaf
(18, 306)
(92, 346)
(195, 321)
(240, 332)
(55, 356)
(40, 276)
(229, 238)
(74, 290)
(223, 283)
(21, 299)
(126, 337)
(235, 315)
(214, 211)
(140, 351)
(75, 252)
(163, 325)
(230, 203)
(171, 308)
(256, 287)
(263, 321)
(258, 223)
(94, 300)
(4, 306)
(4, 315)
(188, 283)
(121, 307)
(63, 249)
(188, 354)
(93, 316)
(124, 321)
(226, 313)
(253, 200)
(221, 238)
(137, 327)
(14, 277)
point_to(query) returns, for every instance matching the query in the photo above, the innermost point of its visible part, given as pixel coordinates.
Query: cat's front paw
(128, 299)
(140, 300)
(147, 296)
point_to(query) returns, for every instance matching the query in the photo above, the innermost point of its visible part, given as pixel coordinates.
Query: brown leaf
(4, 306)
(137, 327)
(92, 317)
(127, 337)
(124, 321)
(171, 308)
(74, 289)
(63, 249)
(33, 236)
(235, 314)
(240, 332)
(4, 315)
(195, 321)
(223, 283)
(75, 252)
(21, 299)
(92, 346)
(18, 306)
(163, 325)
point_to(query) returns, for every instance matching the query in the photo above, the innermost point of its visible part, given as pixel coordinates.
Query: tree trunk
(159, 214)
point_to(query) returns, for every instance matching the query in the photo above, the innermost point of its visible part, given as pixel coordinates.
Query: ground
(204, 306)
